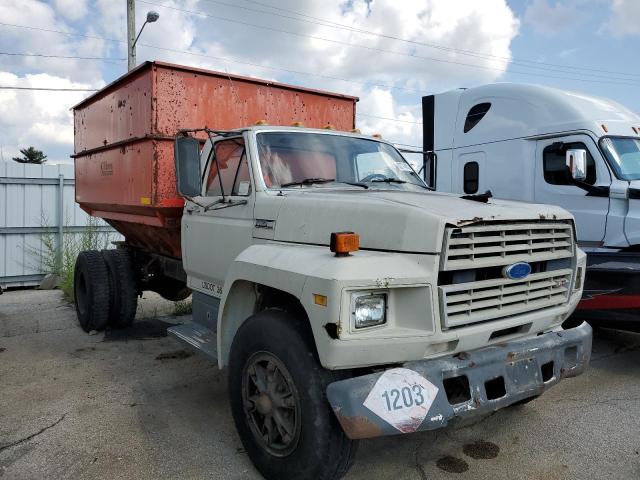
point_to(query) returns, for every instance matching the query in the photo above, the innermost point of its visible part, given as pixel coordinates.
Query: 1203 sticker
(402, 397)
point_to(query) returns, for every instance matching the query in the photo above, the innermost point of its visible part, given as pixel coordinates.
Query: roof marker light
(604, 127)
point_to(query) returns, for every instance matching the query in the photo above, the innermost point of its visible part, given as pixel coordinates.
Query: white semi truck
(538, 144)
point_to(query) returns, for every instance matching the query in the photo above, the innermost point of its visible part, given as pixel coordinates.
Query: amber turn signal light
(342, 243)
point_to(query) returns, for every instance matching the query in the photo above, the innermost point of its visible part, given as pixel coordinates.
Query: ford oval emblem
(517, 271)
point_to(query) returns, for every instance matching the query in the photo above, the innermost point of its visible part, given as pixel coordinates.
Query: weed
(62, 262)
(182, 308)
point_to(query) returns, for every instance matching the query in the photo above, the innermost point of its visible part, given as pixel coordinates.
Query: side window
(471, 177)
(231, 157)
(475, 115)
(555, 167)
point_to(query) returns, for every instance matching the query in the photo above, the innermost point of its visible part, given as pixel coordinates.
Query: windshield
(302, 160)
(623, 155)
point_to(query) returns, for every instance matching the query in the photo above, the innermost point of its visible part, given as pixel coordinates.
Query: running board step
(198, 337)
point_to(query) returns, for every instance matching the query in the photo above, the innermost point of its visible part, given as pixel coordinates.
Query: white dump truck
(539, 144)
(346, 299)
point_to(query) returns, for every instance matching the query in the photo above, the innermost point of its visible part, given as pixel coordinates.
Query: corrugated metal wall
(30, 204)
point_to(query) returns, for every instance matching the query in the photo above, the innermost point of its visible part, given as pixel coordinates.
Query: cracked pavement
(135, 404)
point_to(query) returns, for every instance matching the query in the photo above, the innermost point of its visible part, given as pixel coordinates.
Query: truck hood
(398, 221)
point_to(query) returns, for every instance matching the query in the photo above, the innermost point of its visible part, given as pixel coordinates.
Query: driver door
(553, 185)
(216, 233)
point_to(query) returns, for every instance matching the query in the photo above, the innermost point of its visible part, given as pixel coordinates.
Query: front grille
(472, 286)
(490, 245)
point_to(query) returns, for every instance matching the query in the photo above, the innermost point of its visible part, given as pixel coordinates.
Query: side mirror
(187, 158)
(577, 164)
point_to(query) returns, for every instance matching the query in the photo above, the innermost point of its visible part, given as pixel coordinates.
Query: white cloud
(72, 9)
(624, 19)
(39, 41)
(551, 19)
(37, 118)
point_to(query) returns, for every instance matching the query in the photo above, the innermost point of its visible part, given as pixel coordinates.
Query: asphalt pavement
(137, 404)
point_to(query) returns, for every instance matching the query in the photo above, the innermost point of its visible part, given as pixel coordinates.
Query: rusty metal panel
(118, 114)
(119, 177)
(193, 98)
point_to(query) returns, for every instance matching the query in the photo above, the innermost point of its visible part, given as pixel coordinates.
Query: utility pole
(131, 34)
(132, 38)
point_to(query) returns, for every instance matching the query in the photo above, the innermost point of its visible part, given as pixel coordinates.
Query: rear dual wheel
(123, 289)
(91, 290)
(104, 289)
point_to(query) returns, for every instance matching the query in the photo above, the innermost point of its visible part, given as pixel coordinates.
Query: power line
(72, 34)
(50, 89)
(387, 118)
(106, 59)
(283, 69)
(407, 145)
(381, 50)
(297, 72)
(224, 59)
(331, 24)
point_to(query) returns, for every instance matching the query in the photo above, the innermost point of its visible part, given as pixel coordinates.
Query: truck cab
(515, 139)
(415, 306)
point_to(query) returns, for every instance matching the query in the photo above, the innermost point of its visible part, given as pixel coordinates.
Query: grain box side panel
(122, 113)
(118, 177)
(190, 99)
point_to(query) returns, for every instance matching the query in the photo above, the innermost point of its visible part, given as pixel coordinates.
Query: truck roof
(284, 128)
(526, 110)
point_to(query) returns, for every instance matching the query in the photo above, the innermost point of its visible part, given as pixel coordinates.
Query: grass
(63, 265)
(182, 308)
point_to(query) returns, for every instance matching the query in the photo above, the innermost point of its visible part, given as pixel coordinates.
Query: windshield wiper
(388, 180)
(309, 181)
(357, 184)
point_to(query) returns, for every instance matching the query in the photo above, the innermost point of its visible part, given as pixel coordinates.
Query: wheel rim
(81, 294)
(271, 404)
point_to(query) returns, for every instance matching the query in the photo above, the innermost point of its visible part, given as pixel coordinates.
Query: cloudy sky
(387, 52)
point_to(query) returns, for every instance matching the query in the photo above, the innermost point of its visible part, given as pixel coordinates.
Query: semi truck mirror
(577, 164)
(187, 158)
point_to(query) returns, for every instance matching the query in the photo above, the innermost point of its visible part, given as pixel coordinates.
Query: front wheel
(277, 394)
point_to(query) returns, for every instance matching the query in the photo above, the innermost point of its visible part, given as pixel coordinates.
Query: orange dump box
(123, 145)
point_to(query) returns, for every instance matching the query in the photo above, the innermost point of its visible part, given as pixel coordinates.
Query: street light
(132, 38)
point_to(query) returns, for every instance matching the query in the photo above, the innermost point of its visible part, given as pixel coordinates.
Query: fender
(305, 270)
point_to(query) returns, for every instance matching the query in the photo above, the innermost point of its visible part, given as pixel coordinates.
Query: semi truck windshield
(623, 155)
(290, 159)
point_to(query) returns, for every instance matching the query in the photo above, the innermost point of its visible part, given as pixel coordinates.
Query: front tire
(277, 394)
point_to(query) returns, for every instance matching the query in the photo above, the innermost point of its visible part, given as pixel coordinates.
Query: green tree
(31, 155)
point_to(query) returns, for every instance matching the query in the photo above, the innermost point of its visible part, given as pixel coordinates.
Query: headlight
(368, 309)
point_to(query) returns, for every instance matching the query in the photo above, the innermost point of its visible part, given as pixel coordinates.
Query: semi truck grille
(472, 285)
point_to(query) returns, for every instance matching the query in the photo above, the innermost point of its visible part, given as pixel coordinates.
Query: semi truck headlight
(368, 309)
